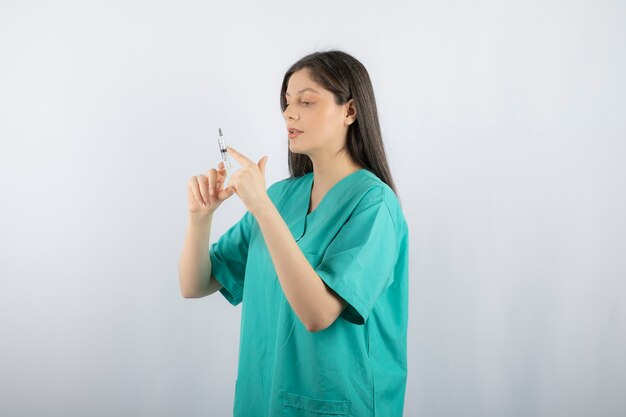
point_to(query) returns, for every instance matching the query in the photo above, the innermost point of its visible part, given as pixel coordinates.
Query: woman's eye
(305, 103)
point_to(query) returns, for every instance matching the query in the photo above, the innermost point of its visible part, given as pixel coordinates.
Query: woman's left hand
(249, 182)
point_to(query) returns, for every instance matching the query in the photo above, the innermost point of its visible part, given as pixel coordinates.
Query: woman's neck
(329, 171)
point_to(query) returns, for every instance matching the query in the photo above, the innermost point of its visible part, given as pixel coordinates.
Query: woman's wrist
(200, 220)
(264, 207)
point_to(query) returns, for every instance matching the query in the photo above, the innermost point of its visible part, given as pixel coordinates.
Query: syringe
(225, 160)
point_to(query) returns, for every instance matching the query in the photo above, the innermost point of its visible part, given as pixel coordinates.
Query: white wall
(504, 122)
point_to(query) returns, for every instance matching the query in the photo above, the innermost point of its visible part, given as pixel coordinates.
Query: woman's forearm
(312, 301)
(194, 271)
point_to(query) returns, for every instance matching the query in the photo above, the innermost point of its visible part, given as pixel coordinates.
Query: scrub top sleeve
(228, 258)
(359, 262)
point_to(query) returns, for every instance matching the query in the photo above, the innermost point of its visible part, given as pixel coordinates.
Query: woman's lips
(295, 134)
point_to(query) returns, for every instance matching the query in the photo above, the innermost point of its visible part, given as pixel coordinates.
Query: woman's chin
(294, 146)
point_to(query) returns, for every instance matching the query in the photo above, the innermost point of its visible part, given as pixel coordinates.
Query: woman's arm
(205, 193)
(194, 271)
(314, 303)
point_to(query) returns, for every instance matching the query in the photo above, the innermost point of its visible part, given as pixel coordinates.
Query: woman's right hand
(206, 192)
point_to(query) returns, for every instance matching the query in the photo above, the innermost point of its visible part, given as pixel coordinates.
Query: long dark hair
(344, 76)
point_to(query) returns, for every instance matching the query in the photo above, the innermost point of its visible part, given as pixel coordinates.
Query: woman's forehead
(300, 82)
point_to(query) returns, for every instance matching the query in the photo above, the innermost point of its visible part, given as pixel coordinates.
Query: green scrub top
(357, 242)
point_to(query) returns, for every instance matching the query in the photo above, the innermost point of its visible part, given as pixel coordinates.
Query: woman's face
(312, 110)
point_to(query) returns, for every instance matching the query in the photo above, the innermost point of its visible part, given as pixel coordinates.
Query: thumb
(262, 163)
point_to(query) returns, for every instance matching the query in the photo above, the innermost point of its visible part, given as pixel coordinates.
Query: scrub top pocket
(300, 406)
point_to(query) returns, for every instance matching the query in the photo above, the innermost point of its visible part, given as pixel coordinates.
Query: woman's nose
(288, 114)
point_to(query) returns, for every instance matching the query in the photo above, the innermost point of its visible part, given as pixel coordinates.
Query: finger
(262, 163)
(232, 183)
(219, 165)
(232, 189)
(197, 189)
(204, 189)
(239, 157)
(212, 182)
(225, 193)
(221, 175)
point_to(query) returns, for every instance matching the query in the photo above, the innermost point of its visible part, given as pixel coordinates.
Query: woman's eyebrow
(303, 90)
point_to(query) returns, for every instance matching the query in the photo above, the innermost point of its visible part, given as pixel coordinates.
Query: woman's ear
(350, 112)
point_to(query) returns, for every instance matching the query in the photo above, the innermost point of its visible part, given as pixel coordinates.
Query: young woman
(319, 259)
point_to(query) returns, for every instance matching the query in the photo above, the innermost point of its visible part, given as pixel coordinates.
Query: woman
(319, 260)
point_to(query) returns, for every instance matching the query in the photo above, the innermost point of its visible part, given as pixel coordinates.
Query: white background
(505, 128)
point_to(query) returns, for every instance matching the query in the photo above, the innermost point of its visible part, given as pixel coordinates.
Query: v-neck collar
(309, 188)
(298, 225)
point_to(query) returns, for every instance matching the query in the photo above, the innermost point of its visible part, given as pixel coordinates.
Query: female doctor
(319, 260)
